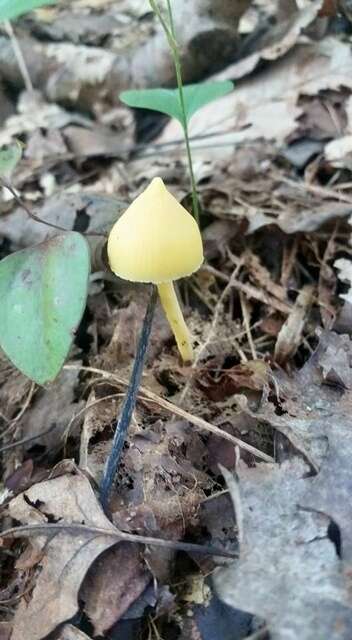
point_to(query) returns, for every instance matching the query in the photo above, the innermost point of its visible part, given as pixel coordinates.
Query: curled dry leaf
(113, 583)
(66, 558)
(290, 334)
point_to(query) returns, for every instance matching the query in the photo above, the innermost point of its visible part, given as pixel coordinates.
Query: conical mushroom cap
(156, 239)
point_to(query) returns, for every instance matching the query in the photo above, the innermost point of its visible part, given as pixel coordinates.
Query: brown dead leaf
(245, 115)
(66, 557)
(52, 407)
(251, 375)
(114, 581)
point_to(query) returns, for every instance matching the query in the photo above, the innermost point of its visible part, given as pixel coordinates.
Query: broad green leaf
(10, 9)
(43, 293)
(9, 158)
(168, 101)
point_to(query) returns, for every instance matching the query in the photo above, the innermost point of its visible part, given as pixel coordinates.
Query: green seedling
(168, 100)
(181, 103)
(155, 241)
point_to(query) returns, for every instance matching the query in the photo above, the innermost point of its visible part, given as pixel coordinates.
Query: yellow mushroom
(156, 240)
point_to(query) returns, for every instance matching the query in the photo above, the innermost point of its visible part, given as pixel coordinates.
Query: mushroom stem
(128, 405)
(176, 320)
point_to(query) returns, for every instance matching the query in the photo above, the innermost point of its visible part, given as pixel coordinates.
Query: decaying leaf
(288, 573)
(116, 579)
(294, 568)
(66, 558)
(246, 115)
(53, 408)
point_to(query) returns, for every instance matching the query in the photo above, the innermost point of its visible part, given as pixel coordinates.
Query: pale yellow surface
(156, 239)
(176, 320)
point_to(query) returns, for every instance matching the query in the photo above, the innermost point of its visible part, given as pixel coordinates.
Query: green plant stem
(171, 37)
(128, 405)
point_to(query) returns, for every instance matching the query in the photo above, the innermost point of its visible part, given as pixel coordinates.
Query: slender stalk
(171, 37)
(128, 405)
(19, 57)
(176, 320)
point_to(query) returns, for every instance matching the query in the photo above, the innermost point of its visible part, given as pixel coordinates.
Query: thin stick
(19, 443)
(172, 408)
(171, 37)
(73, 528)
(246, 323)
(36, 218)
(129, 403)
(19, 57)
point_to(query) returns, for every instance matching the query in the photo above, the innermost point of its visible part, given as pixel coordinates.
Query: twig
(129, 403)
(311, 188)
(11, 423)
(29, 529)
(261, 296)
(36, 218)
(172, 408)
(18, 443)
(19, 56)
(247, 325)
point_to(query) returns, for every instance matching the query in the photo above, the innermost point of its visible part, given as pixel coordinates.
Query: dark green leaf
(10, 9)
(168, 101)
(43, 293)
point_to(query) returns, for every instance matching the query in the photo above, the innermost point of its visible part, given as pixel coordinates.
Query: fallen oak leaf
(288, 572)
(66, 558)
(79, 534)
(113, 583)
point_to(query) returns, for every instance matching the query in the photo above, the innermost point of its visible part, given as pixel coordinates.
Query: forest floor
(248, 449)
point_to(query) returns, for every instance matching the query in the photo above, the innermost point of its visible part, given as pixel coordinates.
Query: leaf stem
(129, 404)
(171, 37)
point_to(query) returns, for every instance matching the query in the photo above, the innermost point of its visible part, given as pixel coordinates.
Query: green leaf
(9, 158)
(10, 9)
(43, 293)
(168, 101)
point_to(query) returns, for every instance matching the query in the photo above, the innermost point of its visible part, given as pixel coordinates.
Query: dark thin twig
(129, 403)
(36, 218)
(44, 529)
(18, 443)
